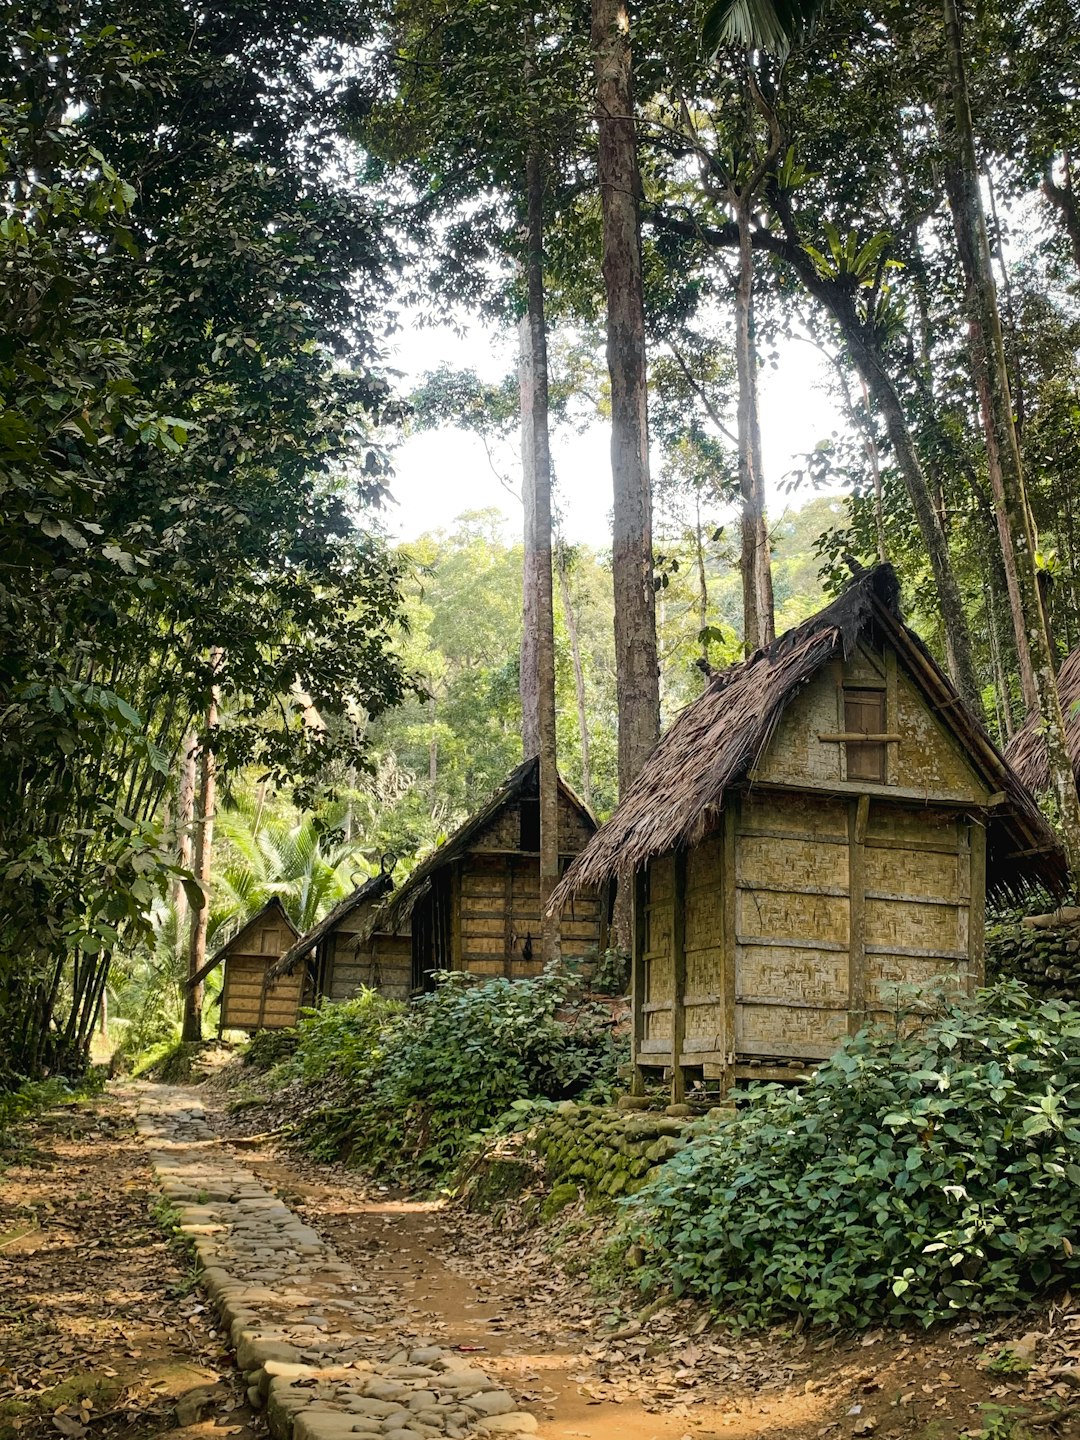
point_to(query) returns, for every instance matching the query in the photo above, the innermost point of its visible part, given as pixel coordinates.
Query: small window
(530, 825)
(864, 714)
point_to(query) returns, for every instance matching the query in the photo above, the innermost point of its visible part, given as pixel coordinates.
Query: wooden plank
(656, 1007)
(856, 1006)
(913, 953)
(977, 910)
(805, 785)
(806, 836)
(892, 719)
(769, 942)
(916, 899)
(857, 737)
(655, 1047)
(918, 847)
(807, 1051)
(777, 1002)
(756, 888)
(692, 1001)
(728, 980)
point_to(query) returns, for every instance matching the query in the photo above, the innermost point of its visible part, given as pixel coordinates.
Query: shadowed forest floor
(104, 1334)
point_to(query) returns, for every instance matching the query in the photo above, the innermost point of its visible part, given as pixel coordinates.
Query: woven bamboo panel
(929, 758)
(244, 1006)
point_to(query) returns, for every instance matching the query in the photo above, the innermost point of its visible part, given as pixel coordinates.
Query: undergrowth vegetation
(411, 1086)
(913, 1179)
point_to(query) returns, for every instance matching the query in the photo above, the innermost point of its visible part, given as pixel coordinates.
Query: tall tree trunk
(528, 669)
(204, 846)
(579, 671)
(636, 665)
(759, 627)
(433, 746)
(703, 584)
(185, 819)
(536, 461)
(987, 351)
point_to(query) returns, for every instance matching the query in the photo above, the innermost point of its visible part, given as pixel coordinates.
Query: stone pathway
(296, 1313)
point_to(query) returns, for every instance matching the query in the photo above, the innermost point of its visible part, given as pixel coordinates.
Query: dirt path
(458, 1284)
(103, 1332)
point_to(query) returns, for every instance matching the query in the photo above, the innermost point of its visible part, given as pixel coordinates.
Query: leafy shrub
(449, 1065)
(28, 1099)
(913, 1179)
(346, 1040)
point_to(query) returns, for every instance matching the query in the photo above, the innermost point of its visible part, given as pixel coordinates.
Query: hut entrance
(432, 930)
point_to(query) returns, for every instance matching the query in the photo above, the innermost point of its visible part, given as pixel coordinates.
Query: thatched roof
(272, 905)
(522, 783)
(369, 893)
(1026, 751)
(678, 796)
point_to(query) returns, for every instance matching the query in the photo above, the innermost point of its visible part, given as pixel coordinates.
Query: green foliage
(347, 1041)
(24, 1101)
(914, 1179)
(422, 1081)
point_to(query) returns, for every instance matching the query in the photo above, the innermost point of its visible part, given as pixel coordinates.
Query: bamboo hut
(1026, 751)
(820, 827)
(345, 951)
(248, 1001)
(474, 904)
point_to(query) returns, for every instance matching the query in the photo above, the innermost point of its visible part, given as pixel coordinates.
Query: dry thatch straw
(1026, 751)
(677, 798)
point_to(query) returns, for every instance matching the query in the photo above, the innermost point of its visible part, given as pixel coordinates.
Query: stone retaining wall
(296, 1313)
(1046, 960)
(605, 1152)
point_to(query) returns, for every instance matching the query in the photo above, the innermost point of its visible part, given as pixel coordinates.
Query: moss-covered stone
(563, 1195)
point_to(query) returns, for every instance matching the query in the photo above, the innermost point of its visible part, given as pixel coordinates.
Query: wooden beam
(860, 737)
(892, 717)
(728, 947)
(640, 882)
(678, 977)
(858, 817)
(977, 905)
(804, 835)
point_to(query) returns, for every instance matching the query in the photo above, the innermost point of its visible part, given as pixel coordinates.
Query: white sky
(440, 473)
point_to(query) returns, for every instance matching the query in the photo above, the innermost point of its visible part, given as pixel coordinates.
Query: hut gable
(474, 903)
(346, 951)
(722, 741)
(870, 690)
(248, 1001)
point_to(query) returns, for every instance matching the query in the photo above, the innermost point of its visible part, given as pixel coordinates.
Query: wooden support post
(508, 919)
(638, 996)
(892, 719)
(728, 976)
(678, 976)
(977, 905)
(858, 816)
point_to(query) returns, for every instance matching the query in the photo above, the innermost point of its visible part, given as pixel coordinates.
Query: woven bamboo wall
(383, 962)
(499, 907)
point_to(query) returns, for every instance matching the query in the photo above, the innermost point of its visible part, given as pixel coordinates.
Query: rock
(427, 1355)
(1069, 1373)
(378, 1409)
(381, 1389)
(419, 1399)
(492, 1402)
(311, 1424)
(193, 1404)
(677, 1111)
(632, 1102)
(404, 1434)
(1027, 1345)
(254, 1395)
(517, 1422)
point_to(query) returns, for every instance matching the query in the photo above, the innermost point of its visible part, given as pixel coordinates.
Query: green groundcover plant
(915, 1178)
(411, 1085)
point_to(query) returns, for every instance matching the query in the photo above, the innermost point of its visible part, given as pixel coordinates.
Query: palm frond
(772, 25)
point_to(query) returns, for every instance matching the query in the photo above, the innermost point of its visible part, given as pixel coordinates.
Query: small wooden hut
(1026, 751)
(345, 951)
(818, 828)
(248, 1002)
(474, 904)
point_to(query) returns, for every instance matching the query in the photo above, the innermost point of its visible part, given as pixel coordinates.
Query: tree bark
(1063, 199)
(759, 626)
(528, 673)
(536, 459)
(204, 845)
(636, 666)
(987, 351)
(579, 672)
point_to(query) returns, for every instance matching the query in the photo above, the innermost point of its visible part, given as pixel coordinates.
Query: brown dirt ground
(102, 1330)
(497, 1289)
